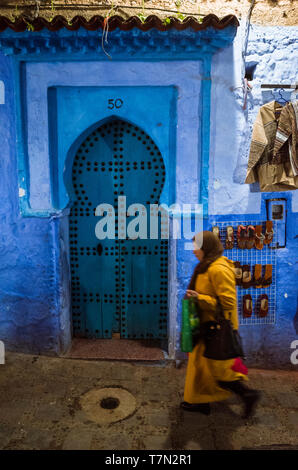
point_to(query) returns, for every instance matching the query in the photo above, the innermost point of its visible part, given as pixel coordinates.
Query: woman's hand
(191, 293)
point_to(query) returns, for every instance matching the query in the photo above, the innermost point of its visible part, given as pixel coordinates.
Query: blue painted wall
(34, 285)
(275, 49)
(29, 319)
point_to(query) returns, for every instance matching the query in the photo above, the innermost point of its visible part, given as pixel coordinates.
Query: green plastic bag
(190, 324)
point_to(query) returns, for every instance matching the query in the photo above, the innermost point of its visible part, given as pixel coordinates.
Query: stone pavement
(41, 408)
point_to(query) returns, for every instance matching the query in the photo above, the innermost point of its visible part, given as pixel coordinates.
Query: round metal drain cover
(108, 405)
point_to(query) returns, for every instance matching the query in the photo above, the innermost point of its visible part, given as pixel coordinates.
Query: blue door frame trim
(64, 151)
(22, 156)
(185, 45)
(205, 134)
(21, 145)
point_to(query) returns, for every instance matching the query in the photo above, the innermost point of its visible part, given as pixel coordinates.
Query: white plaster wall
(276, 51)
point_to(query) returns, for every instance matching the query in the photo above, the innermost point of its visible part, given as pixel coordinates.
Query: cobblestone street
(41, 408)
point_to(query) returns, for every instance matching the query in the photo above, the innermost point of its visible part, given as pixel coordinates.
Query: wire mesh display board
(252, 257)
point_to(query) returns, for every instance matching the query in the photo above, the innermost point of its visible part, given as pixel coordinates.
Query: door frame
(188, 136)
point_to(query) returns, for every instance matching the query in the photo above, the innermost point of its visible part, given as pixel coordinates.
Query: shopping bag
(190, 324)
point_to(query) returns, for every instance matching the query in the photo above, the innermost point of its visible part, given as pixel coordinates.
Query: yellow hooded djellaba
(202, 373)
(209, 380)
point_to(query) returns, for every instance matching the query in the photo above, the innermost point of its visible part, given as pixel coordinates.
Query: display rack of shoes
(248, 244)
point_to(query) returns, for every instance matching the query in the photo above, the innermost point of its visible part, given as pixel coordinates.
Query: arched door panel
(118, 285)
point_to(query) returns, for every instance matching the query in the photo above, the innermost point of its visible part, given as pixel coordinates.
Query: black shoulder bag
(221, 340)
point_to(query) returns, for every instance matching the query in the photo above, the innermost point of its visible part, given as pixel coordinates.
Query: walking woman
(209, 380)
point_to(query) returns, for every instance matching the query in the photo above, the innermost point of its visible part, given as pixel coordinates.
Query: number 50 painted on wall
(115, 103)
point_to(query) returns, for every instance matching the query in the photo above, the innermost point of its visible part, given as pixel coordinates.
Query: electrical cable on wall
(246, 85)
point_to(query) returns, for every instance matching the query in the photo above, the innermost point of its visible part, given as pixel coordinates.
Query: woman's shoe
(198, 407)
(249, 397)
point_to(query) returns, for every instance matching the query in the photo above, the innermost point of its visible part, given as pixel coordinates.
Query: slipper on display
(259, 240)
(247, 306)
(269, 232)
(215, 230)
(258, 281)
(238, 272)
(246, 276)
(262, 306)
(267, 279)
(230, 238)
(251, 236)
(241, 236)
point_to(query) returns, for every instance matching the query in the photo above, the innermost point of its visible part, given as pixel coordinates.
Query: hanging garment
(287, 131)
(272, 175)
